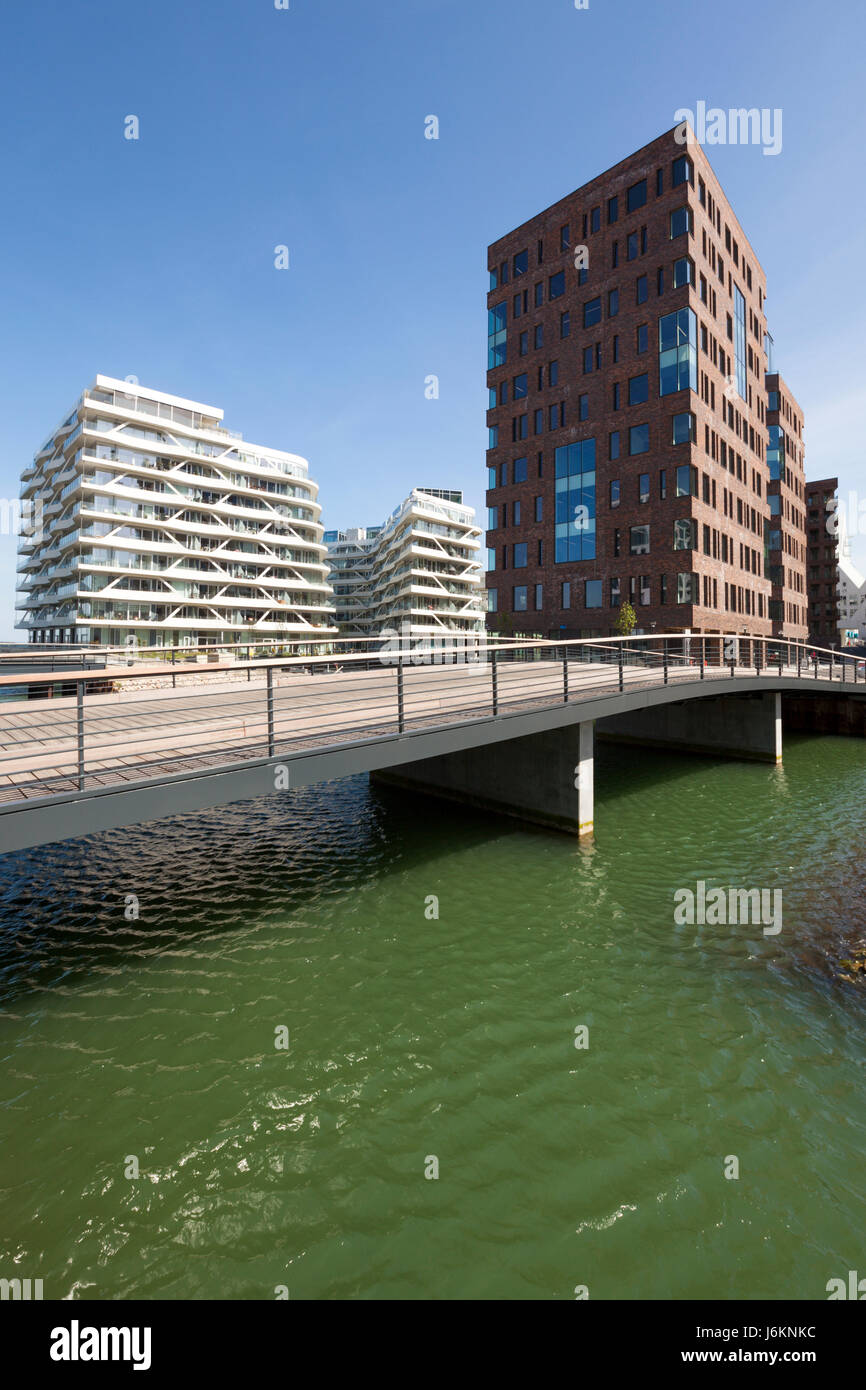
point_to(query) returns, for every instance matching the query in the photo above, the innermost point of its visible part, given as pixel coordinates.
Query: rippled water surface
(412, 1037)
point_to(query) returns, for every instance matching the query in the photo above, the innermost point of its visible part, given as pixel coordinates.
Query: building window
(588, 360)
(687, 588)
(539, 597)
(539, 508)
(687, 481)
(519, 601)
(575, 502)
(685, 533)
(641, 291)
(684, 272)
(636, 196)
(645, 590)
(492, 518)
(539, 335)
(685, 429)
(583, 407)
(521, 263)
(524, 344)
(681, 222)
(519, 471)
(614, 593)
(557, 285)
(740, 340)
(638, 389)
(491, 476)
(616, 395)
(642, 337)
(553, 374)
(492, 436)
(539, 294)
(639, 540)
(643, 491)
(515, 514)
(681, 171)
(492, 597)
(518, 560)
(614, 494)
(612, 303)
(663, 483)
(612, 215)
(595, 220)
(591, 312)
(638, 439)
(631, 247)
(593, 595)
(520, 386)
(503, 475)
(566, 594)
(564, 237)
(678, 353)
(496, 335)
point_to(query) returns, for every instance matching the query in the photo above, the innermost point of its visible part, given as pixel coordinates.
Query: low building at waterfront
(418, 574)
(153, 522)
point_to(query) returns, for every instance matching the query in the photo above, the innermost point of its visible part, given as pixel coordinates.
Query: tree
(627, 620)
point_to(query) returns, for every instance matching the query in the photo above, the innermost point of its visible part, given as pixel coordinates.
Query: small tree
(627, 620)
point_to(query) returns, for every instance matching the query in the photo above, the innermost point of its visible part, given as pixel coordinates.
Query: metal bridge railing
(89, 737)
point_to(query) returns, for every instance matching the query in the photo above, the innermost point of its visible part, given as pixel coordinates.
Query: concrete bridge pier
(739, 726)
(545, 778)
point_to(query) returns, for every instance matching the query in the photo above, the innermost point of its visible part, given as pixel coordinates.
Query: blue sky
(305, 127)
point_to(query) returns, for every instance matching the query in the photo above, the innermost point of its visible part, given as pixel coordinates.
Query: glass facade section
(678, 352)
(575, 502)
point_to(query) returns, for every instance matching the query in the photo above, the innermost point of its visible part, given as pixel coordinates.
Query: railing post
(495, 679)
(270, 689)
(703, 655)
(757, 656)
(173, 676)
(565, 677)
(401, 711)
(79, 693)
(619, 654)
(799, 659)
(832, 661)
(665, 657)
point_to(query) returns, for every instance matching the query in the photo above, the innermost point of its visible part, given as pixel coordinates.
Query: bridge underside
(548, 778)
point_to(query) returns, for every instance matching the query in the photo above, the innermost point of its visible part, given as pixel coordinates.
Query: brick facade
(725, 515)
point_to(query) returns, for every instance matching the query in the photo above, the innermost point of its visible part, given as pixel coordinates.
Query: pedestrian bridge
(505, 725)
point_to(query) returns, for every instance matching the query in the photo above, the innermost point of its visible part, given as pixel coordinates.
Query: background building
(419, 573)
(823, 561)
(628, 414)
(786, 528)
(159, 523)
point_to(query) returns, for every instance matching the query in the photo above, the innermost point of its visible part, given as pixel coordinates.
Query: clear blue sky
(305, 127)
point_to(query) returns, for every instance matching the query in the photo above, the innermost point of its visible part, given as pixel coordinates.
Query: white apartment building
(418, 575)
(152, 521)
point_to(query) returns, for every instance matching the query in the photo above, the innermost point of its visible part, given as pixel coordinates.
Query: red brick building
(823, 562)
(628, 414)
(786, 536)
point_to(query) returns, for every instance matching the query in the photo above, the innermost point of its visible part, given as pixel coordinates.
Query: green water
(413, 1037)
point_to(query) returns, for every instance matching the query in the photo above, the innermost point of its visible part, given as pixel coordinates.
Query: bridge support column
(739, 726)
(545, 778)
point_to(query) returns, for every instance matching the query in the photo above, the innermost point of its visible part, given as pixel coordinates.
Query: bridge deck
(131, 735)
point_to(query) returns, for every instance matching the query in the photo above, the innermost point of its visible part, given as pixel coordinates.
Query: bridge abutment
(545, 778)
(738, 726)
